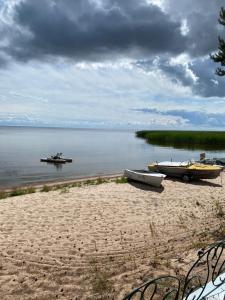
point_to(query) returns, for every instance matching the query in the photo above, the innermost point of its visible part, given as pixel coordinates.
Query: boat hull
(53, 160)
(151, 178)
(169, 171)
(68, 159)
(56, 160)
(197, 171)
(203, 174)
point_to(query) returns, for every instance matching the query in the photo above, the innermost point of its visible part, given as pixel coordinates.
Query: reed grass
(3, 195)
(31, 190)
(17, 192)
(200, 140)
(63, 188)
(20, 191)
(219, 209)
(46, 189)
(120, 180)
(99, 278)
(100, 180)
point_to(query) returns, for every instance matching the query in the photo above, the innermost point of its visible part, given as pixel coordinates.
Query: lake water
(94, 152)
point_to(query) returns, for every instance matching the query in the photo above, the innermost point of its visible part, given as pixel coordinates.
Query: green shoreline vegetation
(191, 140)
(63, 187)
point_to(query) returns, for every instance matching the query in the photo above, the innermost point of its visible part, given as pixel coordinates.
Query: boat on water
(152, 178)
(186, 170)
(57, 159)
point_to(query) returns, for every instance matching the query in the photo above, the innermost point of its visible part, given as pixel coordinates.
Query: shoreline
(58, 182)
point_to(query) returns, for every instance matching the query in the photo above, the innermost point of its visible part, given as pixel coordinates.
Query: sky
(130, 64)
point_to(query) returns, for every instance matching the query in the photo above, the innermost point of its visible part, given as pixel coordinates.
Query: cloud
(176, 72)
(196, 118)
(201, 19)
(86, 30)
(208, 84)
(72, 60)
(96, 30)
(198, 74)
(67, 95)
(91, 30)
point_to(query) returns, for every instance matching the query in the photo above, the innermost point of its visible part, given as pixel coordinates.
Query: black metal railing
(206, 275)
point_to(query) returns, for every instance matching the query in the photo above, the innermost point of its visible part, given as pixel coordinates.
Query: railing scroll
(206, 275)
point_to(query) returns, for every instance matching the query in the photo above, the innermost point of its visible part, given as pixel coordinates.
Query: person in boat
(57, 156)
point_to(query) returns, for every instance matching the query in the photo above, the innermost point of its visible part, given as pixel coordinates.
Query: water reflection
(58, 166)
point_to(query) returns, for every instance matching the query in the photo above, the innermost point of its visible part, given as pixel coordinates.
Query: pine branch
(222, 16)
(219, 56)
(220, 72)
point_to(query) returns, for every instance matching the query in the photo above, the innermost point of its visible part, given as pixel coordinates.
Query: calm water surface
(94, 152)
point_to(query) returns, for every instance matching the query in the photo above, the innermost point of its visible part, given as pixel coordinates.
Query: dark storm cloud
(202, 22)
(83, 30)
(208, 84)
(177, 73)
(205, 84)
(3, 60)
(196, 118)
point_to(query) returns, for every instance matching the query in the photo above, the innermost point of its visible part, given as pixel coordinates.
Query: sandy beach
(100, 241)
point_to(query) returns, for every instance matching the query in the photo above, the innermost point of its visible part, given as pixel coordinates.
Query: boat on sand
(186, 170)
(152, 178)
(220, 161)
(213, 161)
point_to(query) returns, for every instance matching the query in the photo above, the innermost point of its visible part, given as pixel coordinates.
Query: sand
(100, 241)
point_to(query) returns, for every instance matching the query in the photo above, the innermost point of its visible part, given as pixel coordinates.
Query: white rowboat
(151, 178)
